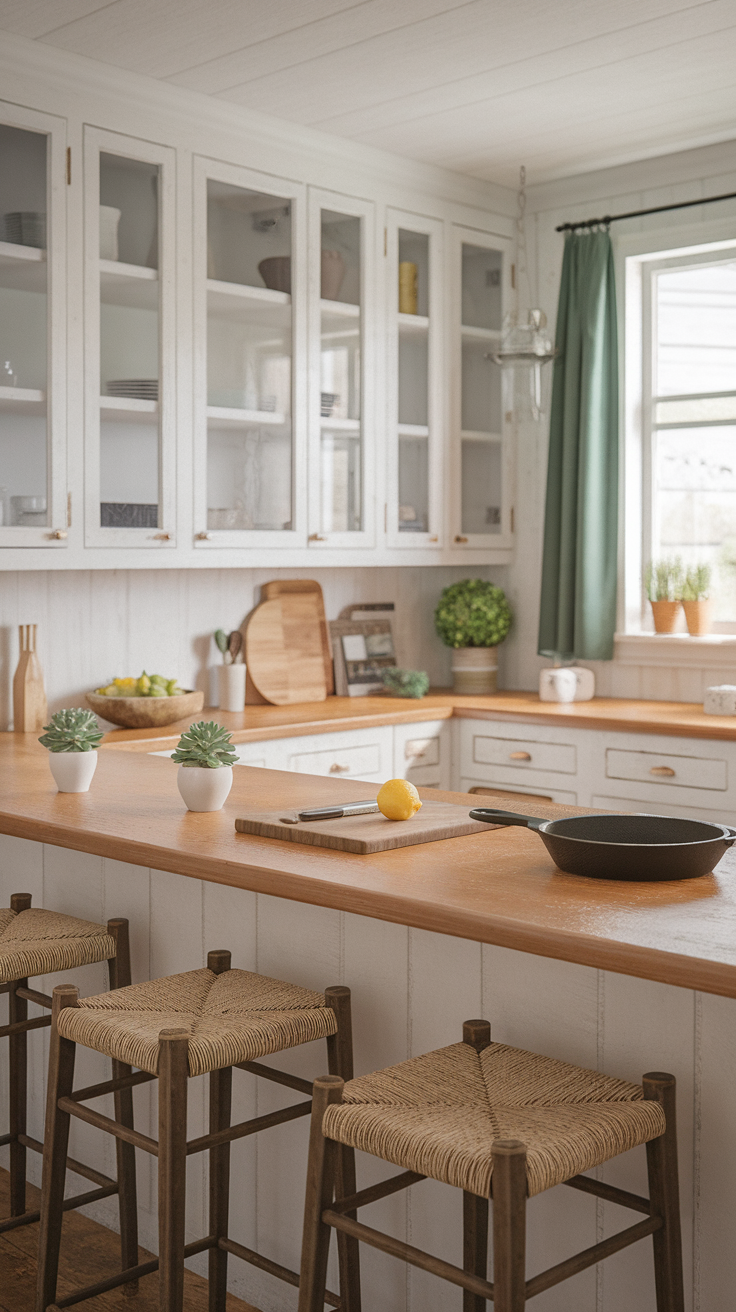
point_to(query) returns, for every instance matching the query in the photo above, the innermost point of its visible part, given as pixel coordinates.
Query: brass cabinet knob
(161, 537)
(520, 756)
(459, 538)
(317, 537)
(665, 771)
(58, 534)
(339, 769)
(204, 536)
(434, 539)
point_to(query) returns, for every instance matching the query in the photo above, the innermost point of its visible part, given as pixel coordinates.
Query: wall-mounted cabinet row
(322, 362)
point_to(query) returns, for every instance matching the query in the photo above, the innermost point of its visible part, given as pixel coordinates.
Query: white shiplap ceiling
(479, 86)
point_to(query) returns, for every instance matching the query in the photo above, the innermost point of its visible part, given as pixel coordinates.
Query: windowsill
(676, 649)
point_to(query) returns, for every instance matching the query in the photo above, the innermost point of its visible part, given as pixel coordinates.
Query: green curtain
(578, 607)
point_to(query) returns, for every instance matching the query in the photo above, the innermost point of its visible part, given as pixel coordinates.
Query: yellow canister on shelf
(407, 287)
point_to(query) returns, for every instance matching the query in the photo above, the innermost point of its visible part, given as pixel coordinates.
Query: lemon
(398, 800)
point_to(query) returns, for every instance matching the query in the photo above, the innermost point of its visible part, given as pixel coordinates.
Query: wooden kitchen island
(622, 977)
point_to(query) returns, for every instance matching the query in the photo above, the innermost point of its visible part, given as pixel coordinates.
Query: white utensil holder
(231, 685)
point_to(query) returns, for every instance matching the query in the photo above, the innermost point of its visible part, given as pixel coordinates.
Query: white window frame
(637, 257)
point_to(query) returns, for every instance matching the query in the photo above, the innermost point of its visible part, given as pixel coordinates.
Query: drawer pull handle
(336, 768)
(665, 770)
(520, 756)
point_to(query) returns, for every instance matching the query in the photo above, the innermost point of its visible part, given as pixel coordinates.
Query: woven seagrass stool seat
(34, 941)
(202, 1022)
(502, 1124)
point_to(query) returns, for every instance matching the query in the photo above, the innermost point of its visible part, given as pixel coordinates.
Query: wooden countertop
(496, 887)
(256, 723)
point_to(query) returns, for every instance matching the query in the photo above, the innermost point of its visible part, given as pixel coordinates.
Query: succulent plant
(472, 613)
(405, 683)
(73, 730)
(205, 744)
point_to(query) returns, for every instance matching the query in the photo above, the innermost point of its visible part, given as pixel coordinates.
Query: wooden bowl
(146, 712)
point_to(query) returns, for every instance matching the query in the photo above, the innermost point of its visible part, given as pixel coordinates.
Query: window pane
(703, 409)
(696, 329)
(695, 507)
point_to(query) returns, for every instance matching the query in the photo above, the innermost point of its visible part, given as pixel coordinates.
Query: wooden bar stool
(38, 942)
(495, 1122)
(201, 1022)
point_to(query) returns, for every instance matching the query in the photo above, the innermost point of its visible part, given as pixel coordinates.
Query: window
(688, 414)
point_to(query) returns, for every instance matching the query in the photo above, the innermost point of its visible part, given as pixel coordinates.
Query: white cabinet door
(33, 329)
(422, 753)
(130, 343)
(530, 758)
(359, 754)
(250, 285)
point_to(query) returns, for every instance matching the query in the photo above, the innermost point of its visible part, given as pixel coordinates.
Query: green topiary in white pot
(72, 738)
(473, 617)
(205, 757)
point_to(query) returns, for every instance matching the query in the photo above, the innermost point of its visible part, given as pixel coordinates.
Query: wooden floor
(88, 1253)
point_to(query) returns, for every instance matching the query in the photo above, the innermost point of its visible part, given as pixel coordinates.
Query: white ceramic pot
(231, 687)
(474, 670)
(204, 789)
(73, 770)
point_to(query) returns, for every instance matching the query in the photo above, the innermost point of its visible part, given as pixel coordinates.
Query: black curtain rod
(638, 214)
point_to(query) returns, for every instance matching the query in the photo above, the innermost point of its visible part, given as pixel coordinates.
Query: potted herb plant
(205, 758)
(473, 617)
(663, 584)
(696, 600)
(72, 738)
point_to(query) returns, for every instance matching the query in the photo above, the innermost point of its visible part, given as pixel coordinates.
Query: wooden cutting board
(366, 833)
(279, 587)
(284, 649)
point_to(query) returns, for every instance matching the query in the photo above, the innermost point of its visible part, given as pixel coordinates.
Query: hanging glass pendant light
(525, 344)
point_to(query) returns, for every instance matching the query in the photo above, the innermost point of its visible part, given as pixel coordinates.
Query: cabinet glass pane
(481, 417)
(129, 343)
(341, 509)
(249, 354)
(23, 328)
(413, 381)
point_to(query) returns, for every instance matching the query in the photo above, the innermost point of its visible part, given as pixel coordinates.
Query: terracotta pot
(698, 617)
(665, 615)
(474, 670)
(73, 770)
(203, 789)
(333, 272)
(276, 272)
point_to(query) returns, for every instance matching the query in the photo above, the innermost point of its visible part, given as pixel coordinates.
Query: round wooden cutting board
(283, 649)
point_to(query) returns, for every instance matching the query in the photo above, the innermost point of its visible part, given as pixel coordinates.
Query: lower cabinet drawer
(667, 769)
(524, 754)
(340, 762)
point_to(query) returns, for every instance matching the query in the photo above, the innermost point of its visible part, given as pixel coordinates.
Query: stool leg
(664, 1192)
(475, 1246)
(340, 1062)
(18, 1073)
(56, 1140)
(173, 1072)
(321, 1169)
(221, 1086)
(509, 1225)
(119, 973)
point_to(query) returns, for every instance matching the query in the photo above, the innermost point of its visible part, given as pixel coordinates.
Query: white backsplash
(94, 625)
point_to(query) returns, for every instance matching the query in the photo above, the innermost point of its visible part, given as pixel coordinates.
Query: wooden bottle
(29, 698)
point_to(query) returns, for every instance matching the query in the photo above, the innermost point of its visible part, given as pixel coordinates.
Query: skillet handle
(730, 841)
(491, 817)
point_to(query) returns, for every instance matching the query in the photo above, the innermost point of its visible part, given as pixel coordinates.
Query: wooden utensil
(283, 649)
(278, 587)
(30, 708)
(364, 833)
(234, 644)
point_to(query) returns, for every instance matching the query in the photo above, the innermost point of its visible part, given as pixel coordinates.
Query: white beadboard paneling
(440, 1000)
(715, 1183)
(21, 871)
(127, 893)
(230, 921)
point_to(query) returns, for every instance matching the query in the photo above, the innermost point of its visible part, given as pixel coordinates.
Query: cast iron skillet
(628, 846)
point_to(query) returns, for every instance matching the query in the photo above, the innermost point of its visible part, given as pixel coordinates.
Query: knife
(332, 812)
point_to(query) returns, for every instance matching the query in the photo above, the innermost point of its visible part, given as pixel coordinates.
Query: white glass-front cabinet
(33, 494)
(250, 323)
(415, 380)
(130, 465)
(482, 412)
(342, 412)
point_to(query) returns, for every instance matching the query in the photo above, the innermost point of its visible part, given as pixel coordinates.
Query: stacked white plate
(24, 228)
(143, 389)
